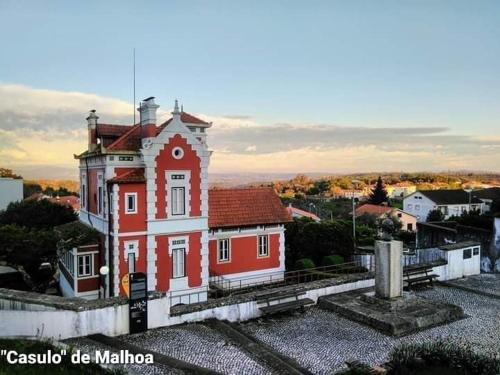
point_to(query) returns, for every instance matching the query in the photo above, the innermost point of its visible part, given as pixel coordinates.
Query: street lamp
(354, 184)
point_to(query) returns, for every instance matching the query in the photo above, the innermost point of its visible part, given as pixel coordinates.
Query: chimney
(176, 113)
(92, 130)
(147, 110)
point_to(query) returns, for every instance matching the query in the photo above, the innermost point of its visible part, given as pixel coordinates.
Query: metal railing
(422, 256)
(227, 286)
(188, 296)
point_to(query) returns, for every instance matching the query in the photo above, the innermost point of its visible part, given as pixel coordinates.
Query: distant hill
(70, 185)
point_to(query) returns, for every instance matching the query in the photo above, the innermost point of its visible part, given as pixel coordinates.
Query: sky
(291, 86)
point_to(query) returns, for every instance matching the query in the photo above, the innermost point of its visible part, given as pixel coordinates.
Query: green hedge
(304, 263)
(331, 260)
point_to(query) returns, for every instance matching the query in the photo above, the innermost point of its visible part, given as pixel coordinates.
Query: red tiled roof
(372, 209)
(185, 118)
(110, 130)
(243, 207)
(129, 141)
(190, 119)
(134, 175)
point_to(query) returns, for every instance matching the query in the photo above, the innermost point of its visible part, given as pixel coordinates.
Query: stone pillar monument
(388, 269)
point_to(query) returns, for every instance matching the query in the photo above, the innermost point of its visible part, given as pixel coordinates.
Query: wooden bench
(268, 297)
(412, 277)
(286, 306)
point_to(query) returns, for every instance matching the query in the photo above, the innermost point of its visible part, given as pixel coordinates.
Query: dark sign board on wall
(138, 302)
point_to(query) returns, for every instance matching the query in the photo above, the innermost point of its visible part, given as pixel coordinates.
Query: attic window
(177, 153)
(126, 158)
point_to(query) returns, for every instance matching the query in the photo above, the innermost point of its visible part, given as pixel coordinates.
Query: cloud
(40, 130)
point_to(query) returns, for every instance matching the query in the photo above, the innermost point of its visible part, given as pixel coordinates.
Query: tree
(378, 194)
(435, 215)
(41, 214)
(30, 188)
(4, 172)
(305, 238)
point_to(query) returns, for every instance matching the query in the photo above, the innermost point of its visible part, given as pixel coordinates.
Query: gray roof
(450, 196)
(490, 193)
(459, 245)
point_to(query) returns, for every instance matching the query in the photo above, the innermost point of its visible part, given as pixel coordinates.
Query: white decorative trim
(164, 226)
(151, 260)
(184, 245)
(282, 249)
(204, 258)
(265, 273)
(130, 234)
(127, 251)
(245, 233)
(116, 240)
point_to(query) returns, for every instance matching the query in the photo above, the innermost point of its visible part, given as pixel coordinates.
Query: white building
(449, 202)
(11, 190)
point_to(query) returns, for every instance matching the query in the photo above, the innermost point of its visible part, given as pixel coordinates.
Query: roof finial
(176, 108)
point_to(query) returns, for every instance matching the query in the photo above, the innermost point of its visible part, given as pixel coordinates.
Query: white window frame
(83, 198)
(224, 249)
(172, 181)
(176, 202)
(111, 207)
(178, 263)
(260, 246)
(131, 263)
(89, 263)
(100, 200)
(128, 211)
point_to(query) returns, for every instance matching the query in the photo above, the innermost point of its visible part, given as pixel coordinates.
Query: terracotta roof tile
(132, 176)
(110, 130)
(244, 207)
(129, 141)
(185, 118)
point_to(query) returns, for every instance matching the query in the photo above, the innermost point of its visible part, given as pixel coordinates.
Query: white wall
(11, 190)
(113, 320)
(418, 205)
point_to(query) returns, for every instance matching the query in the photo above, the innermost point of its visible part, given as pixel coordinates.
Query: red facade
(145, 188)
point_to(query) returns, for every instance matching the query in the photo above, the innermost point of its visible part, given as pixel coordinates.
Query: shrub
(37, 214)
(425, 357)
(331, 260)
(304, 263)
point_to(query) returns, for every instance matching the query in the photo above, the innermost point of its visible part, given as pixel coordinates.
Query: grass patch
(42, 347)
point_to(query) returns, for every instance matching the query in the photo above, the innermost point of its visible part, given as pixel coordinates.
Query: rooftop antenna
(134, 87)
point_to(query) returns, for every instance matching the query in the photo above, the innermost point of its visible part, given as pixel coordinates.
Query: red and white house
(144, 187)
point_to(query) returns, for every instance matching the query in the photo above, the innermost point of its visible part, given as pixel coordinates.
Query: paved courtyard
(322, 341)
(198, 344)
(319, 340)
(486, 282)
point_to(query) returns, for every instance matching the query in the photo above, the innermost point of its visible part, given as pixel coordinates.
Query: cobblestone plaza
(319, 341)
